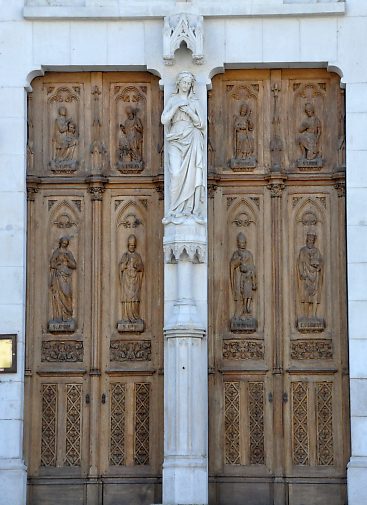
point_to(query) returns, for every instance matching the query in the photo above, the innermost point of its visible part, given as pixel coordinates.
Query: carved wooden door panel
(94, 290)
(278, 394)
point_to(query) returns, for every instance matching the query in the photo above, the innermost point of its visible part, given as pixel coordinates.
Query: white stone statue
(185, 146)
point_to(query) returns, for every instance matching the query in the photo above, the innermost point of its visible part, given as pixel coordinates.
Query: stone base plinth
(185, 481)
(13, 477)
(357, 481)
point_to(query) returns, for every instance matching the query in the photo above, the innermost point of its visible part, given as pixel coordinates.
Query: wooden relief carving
(242, 275)
(310, 268)
(244, 141)
(63, 268)
(30, 135)
(243, 105)
(256, 417)
(130, 350)
(243, 349)
(309, 104)
(49, 424)
(58, 352)
(311, 349)
(243, 284)
(276, 142)
(142, 421)
(129, 105)
(324, 419)
(117, 424)
(64, 128)
(341, 129)
(300, 436)
(73, 425)
(232, 423)
(98, 149)
(310, 277)
(131, 270)
(62, 264)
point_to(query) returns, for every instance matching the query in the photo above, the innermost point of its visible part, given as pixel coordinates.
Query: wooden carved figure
(243, 285)
(309, 139)
(130, 152)
(244, 142)
(64, 143)
(310, 267)
(131, 277)
(185, 143)
(62, 264)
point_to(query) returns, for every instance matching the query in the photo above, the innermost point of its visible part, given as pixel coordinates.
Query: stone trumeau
(181, 323)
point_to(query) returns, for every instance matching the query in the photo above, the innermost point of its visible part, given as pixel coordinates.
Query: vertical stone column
(356, 117)
(185, 467)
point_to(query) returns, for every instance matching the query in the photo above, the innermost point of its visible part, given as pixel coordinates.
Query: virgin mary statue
(184, 133)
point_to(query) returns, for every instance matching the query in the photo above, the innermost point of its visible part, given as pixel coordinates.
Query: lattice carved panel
(300, 428)
(142, 424)
(324, 420)
(117, 423)
(232, 422)
(73, 425)
(49, 398)
(244, 423)
(256, 415)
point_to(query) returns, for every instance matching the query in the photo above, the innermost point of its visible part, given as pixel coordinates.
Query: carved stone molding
(185, 251)
(340, 188)
(276, 185)
(32, 187)
(96, 187)
(159, 186)
(180, 28)
(64, 352)
(276, 189)
(130, 350)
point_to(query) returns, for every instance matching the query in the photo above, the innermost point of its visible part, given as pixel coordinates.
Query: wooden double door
(278, 374)
(278, 368)
(94, 381)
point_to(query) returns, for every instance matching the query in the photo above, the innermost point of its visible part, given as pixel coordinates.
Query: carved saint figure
(131, 276)
(65, 140)
(62, 264)
(310, 132)
(310, 276)
(243, 278)
(184, 133)
(243, 128)
(131, 143)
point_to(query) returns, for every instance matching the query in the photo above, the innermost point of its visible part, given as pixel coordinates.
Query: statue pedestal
(243, 324)
(127, 326)
(55, 326)
(310, 324)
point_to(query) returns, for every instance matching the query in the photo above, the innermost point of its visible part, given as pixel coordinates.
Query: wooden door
(94, 340)
(278, 373)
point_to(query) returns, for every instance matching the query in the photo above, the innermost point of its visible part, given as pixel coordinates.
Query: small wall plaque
(8, 353)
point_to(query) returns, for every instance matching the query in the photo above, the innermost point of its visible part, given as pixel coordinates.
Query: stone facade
(107, 35)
